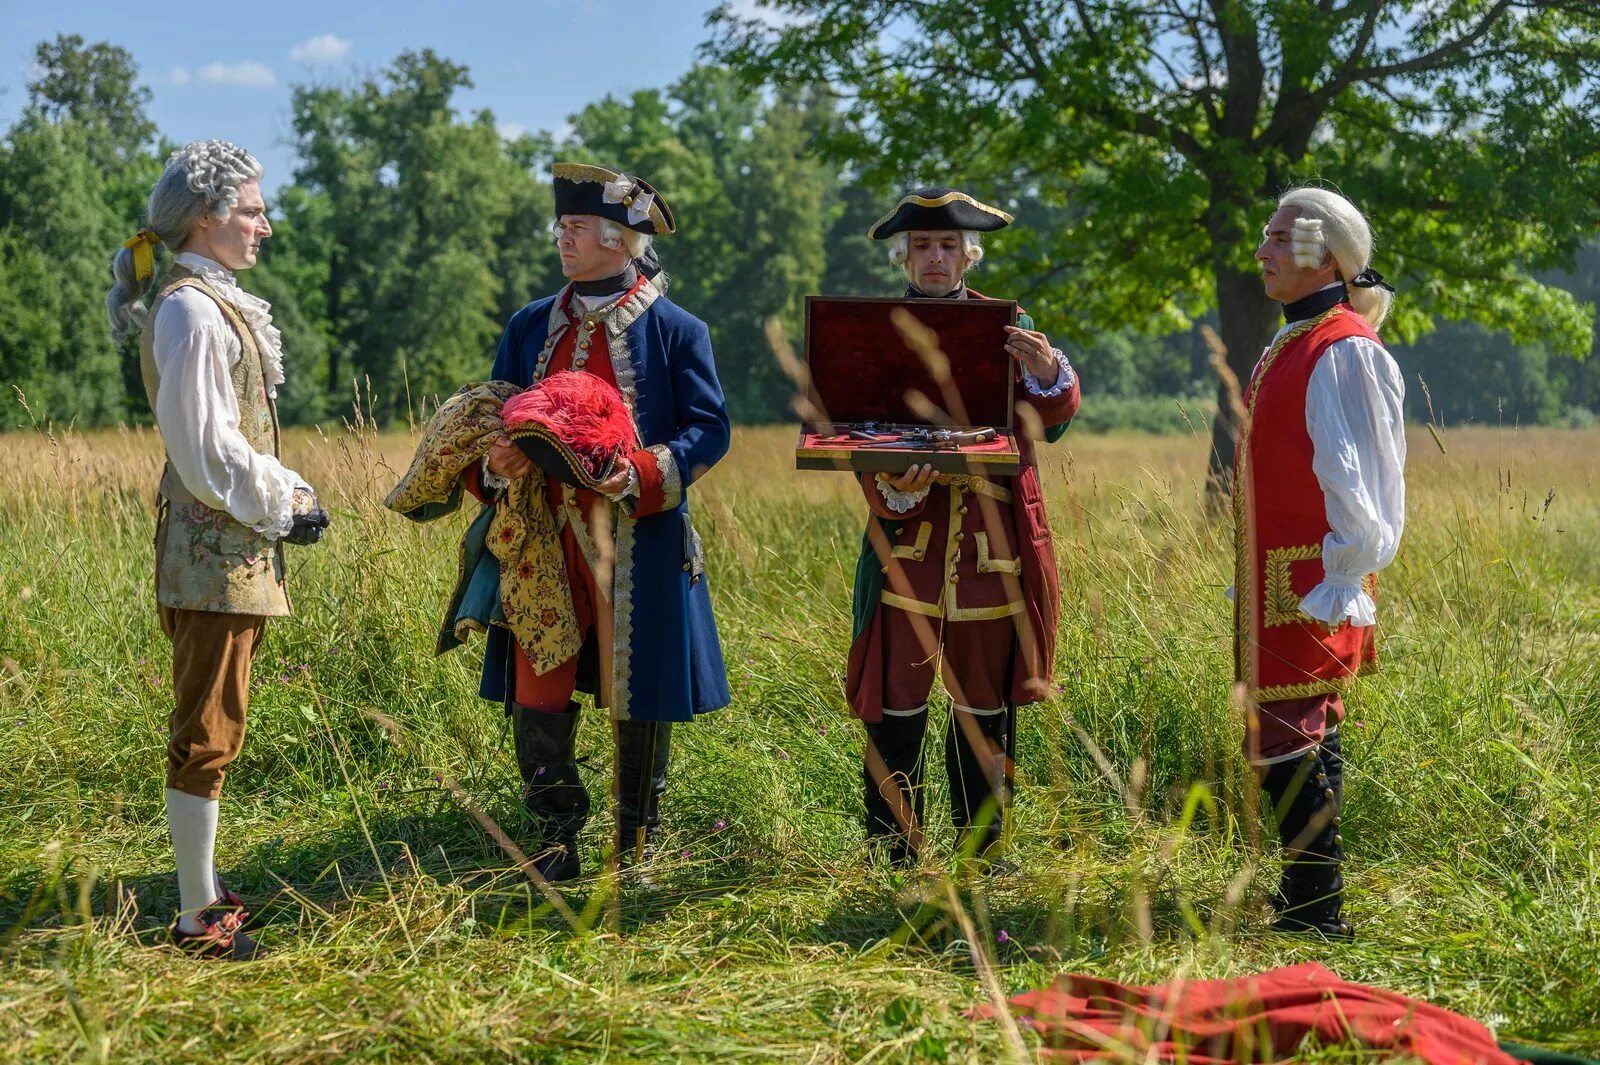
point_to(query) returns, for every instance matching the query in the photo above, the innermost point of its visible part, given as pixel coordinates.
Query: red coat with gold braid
(1281, 519)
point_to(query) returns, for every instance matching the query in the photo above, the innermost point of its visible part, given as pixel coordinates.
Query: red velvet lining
(862, 369)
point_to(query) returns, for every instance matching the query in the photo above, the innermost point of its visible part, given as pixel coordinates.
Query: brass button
(627, 201)
(686, 567)
(918, 555)
(962, 509)
(1327, 793)
(960, 536)
(583, 345)
(897, 532)
(588, 323)
(1338, 840)
(955, 578)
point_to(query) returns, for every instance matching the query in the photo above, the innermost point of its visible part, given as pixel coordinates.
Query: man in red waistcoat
(957, 577)
(1319, 506)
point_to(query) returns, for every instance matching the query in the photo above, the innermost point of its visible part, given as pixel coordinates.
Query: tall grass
(401, 930)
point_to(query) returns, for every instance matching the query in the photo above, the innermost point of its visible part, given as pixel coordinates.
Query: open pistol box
(899, 382)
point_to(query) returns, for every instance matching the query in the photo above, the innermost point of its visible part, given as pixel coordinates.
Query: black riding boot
(643, 750)
(976, 808)
(1306, 795)
(898, 741)
(552, 791)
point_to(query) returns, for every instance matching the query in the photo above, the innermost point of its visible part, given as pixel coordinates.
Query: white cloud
(245, 74)
(323, 48)
(510, 130)
(178, 76)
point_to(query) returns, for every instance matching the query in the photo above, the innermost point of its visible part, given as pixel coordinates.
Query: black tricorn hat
(938, 208)
(610, 194)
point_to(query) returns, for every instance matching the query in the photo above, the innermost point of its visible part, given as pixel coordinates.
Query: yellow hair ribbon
(143, 245)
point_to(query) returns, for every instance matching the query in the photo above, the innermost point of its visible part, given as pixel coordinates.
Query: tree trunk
(1246, 319)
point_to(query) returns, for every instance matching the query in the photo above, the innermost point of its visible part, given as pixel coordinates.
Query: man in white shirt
(212, 362)
(1319, 503)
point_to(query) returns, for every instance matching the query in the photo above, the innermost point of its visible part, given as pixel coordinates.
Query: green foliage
(1139, 160)
(1151, 138)
(416, 209)
(753, 207)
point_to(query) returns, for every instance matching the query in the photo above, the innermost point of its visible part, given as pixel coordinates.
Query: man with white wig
(957, 577)
(212, 362)
(1319, 506)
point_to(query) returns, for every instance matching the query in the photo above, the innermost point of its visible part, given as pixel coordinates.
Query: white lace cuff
(1339, 597)
(1064, 381)
(898, 501)
(492, 482)
(632, 489)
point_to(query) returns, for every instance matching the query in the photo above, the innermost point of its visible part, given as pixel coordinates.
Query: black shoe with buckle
(220, 937)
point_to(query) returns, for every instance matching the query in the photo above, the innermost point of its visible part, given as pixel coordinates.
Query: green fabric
(869, 577)
(475, 603)
(1541, 1056)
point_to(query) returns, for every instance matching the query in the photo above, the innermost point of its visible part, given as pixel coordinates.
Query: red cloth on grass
(1262, 1018)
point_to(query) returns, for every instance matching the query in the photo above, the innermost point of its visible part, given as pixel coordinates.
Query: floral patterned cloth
(534, 593)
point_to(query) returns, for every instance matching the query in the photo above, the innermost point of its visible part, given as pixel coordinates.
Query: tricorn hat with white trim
(610, 194)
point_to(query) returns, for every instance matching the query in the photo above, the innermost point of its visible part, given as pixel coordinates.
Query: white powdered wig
(202, 177)
(971, 246)
(615, 236)
(1329, 224)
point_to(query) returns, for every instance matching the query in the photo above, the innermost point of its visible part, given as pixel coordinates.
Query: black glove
(308, 527)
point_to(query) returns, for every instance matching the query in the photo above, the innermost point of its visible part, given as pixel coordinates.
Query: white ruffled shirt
(197, 412)
(1355, 415)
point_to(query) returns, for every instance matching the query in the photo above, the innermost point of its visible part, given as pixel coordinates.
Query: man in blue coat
(634, 563)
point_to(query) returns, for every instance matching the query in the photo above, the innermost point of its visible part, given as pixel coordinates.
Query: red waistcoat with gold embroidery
(1280, 519)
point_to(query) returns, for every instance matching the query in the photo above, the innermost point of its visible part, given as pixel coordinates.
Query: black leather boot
(976, 808)
(898, 741)
(552, 791)
(1306, 796)
(643, 750)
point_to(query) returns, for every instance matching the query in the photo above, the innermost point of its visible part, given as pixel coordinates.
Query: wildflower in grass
(1002, 937)
(721, 824)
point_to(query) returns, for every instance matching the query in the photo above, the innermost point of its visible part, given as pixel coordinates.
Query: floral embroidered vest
(205, 560)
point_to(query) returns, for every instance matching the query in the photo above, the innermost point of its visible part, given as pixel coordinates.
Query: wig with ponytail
(1330, 224)
(201, 178)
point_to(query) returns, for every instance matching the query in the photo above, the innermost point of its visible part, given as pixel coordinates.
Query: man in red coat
(1319, 506)
(957, 577)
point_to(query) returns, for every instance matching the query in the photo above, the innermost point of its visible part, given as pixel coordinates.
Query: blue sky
(225, 70)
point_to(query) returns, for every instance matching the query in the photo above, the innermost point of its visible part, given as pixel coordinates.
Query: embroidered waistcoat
(1281, 518)
(206, 560)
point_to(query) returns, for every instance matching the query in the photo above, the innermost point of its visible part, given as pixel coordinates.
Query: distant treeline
(410, 232)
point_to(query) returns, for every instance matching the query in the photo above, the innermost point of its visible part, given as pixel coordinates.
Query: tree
(94, 86)
(416, 208)
(1468, 130)
(73, 170)
(754, 209)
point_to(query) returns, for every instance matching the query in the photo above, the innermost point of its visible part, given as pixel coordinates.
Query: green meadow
(369, 813)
